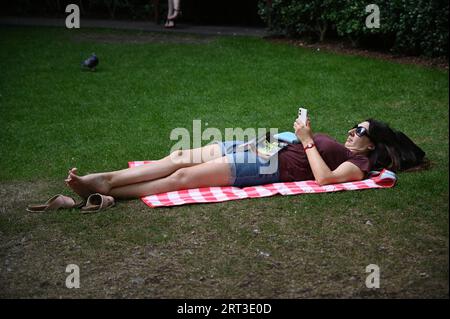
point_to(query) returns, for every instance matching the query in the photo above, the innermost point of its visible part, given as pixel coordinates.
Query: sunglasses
(361, 131)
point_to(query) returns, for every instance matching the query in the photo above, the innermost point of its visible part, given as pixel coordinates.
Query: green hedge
(406, 26)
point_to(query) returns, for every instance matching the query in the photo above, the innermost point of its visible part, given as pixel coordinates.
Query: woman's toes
(72, 176)
(79, 188)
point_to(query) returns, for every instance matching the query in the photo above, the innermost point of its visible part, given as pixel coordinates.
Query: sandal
(175, 15)
(97, 202)
(56, 202)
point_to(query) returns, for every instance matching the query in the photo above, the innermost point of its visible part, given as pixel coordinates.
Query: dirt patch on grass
(441, 63)
(14, 195)
(142, 38)
(261, 248)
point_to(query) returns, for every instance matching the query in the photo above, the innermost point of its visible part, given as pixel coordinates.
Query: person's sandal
(177, 14)
(56, 202)
(97, 202)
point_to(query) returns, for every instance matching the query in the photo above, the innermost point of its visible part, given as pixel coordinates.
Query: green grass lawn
(55, 116)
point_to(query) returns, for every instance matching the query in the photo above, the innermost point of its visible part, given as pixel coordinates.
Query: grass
(55, 116)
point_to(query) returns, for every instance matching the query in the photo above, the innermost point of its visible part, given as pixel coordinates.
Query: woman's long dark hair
(393, 149)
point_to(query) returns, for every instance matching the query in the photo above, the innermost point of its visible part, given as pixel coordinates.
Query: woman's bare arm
(345, 172)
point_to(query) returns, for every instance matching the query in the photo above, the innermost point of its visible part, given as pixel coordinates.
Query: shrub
(406, 26)
(421, 26)
(310, 18)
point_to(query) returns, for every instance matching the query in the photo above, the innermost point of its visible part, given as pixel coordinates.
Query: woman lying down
(370, 145)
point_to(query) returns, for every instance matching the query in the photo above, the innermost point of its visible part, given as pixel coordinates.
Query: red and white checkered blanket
(383, 179)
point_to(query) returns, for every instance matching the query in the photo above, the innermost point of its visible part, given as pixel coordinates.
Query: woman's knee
(181, 177)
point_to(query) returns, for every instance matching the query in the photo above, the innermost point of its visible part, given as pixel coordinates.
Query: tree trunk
(111, 5)
(322, 30)
(269, 10)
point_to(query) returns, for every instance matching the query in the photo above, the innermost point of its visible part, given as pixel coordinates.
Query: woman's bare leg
(103, 182)
(170, 7)
(169, 23)
(213, 173)
(175, 10)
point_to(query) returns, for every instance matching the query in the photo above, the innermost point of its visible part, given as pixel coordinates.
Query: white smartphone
(302, 114)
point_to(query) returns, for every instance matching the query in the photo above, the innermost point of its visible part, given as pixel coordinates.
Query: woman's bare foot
(169, 24)
(88, 184)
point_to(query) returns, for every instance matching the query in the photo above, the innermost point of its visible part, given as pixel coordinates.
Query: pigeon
(90, 62)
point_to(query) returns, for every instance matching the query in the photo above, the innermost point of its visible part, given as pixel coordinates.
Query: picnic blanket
(377, 179)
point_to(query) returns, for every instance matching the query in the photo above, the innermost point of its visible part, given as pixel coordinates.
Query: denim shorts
(248, 169)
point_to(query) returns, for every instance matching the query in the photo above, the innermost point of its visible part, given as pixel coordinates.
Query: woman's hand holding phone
(303, 131)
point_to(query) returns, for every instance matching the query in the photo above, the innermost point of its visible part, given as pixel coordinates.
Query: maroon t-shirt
(294, 166)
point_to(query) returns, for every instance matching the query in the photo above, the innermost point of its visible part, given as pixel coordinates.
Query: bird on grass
(90, 63)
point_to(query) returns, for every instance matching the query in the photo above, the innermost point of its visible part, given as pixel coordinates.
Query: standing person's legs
(103, 182)
(175, 10)
(213, 173)
(170, 7)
